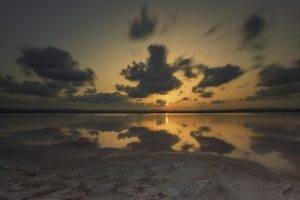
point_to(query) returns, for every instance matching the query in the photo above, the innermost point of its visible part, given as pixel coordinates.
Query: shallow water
(270, 139)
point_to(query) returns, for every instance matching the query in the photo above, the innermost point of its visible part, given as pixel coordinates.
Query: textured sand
(33, 175)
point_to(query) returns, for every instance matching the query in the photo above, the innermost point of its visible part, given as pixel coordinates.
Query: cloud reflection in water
(272, 140)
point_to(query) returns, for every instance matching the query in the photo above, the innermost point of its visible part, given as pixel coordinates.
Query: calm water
(271, 139)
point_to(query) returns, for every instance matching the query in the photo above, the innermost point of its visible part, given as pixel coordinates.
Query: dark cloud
(216, 76)
(10, 85)
(252, 31)
(35, 88)
(57, 71)
(133, 92)
(143, 26)
(135, 71)
(258, 61)
(218, 102)
(155, 76)
(278, 82)
(185, 99)
(275, 75)
(114, 97)
(253, 38)
(212, 30)
(187, 67)
(161, 102)
(253, 27)
(53, 64)
(71, 90)
(279, 92)
(204, 93)
(90, 91)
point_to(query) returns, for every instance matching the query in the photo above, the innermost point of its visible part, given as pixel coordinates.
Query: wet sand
(66, 172)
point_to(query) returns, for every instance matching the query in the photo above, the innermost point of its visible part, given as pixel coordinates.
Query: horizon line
(72, 110)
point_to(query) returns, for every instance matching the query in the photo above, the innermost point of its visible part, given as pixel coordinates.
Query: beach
(89, 174)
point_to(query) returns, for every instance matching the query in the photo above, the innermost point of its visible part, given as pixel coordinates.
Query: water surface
(270, 139)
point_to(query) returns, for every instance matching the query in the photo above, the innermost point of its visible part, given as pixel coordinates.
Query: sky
(155, 54)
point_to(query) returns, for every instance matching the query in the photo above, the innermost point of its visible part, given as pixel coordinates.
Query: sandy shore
(26, 174)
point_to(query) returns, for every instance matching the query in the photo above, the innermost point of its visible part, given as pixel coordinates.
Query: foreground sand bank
(139, 176)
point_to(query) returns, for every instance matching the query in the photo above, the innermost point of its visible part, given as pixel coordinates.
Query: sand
(87, 174)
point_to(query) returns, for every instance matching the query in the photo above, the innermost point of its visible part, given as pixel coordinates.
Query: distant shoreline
(249, 110)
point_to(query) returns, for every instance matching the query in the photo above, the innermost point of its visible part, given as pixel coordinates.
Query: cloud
(185, 99)
(143, 26)
(89, 91)
(155, 76)
(275, 75)
(278, 82)
(10, 85)
(57, 71)
(212, 30)
(217, 102)
(279, 92)
(71, 90)
(258, 61)
(161, 102)
(204, 93)
(186, 65)
(252, 31)
(216, 76)
(101, 97)
(180, 92)
(53, 64)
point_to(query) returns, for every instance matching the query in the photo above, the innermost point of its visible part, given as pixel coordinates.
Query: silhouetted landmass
(246, 110)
